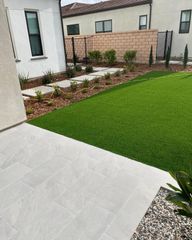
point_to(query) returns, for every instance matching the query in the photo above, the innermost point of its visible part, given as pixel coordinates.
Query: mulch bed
(162, 223)
(50, 103)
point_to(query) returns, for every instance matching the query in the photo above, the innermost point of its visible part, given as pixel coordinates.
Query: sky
(65, 2)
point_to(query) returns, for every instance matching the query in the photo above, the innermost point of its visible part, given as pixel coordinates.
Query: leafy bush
(39, 96)
(95, 56)
(48, 77)
(89, 69)
(73, 86)
(107, 76)
(151, 57)
(110, 56)
(85, 83)
(57, 91)
(78, 68)
(186, 57)
(118, 73)
(130, 56)
(182, 197)
(70, 72)
(168, 57)
(23, 78)
(29, 111)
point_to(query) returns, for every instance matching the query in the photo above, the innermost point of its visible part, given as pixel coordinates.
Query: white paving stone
(55, 188)
(114, 70)
(32, 91)
(61, 84)
(84, 77)
(25, 98)
(98, 69)
(99, 74)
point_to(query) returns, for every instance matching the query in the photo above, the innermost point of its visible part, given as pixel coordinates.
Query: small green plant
(125, 70)
(151, 57)
(95, 56)
(182, 197)
(68, 96)
(23, 78)
(85, 90)
(50, 103)
(186, 56)
(118, 73)
(89, 69)
(48, 77)
(78, 68)
(168, 57)
(57, 91)
(29, 111)
(85, 83)
(70, 72)
(131, 68)
(110, 56)
(39, 96)
(130, 56)
(96, 80)
(107, 76)
(73, 86)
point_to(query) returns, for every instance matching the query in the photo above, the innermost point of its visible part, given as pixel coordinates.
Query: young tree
(168, 56)
(186, 56)
(151, 57)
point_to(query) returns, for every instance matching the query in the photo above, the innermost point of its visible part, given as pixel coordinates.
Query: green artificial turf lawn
(148, 119)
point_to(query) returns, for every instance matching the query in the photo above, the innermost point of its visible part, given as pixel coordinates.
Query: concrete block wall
(141, 41)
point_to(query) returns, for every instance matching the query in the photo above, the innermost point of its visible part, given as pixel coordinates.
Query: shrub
(95, 56)
(130, 56)
(73, 86)
(110, 56)
(70, 72)
(29, 111)
(78, 68)
(182, 197)
(89, 69)
(23, 78)
(48, 77)
(168, 56)
(107, 76)
(85, 83)
(151, 57)
(118, 73)
(186, 57)
(39, 96)
(57, 91)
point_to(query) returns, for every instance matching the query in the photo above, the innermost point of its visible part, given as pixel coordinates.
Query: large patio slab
(32, 91)
(84, 77)
(56, 188)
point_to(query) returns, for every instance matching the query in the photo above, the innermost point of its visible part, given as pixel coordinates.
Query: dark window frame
(77, 24)
(189, 22)
(140, 26)
(29, 34)
(103, 26)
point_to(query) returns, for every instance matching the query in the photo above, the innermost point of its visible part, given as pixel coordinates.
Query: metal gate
(164, 42)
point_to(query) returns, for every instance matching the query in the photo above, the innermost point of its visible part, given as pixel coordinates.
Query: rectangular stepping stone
(98, 69)
(61, 84)
(32, 91)
(82, 78)
(113, 70)
(26, 98)
(99, 74)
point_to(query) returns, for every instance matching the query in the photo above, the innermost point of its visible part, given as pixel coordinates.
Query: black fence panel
(164, 42)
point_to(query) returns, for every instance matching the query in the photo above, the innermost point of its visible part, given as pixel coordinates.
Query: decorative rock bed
(162, 223)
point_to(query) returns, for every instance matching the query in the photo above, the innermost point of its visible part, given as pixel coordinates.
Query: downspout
(63, 34)
(150, 14)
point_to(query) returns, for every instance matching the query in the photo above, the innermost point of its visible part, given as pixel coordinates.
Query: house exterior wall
(141, 41)
(51, 36)
(11, 102)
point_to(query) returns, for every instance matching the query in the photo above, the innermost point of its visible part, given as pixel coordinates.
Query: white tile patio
(56, 188)
(32, 91)
(83, 77)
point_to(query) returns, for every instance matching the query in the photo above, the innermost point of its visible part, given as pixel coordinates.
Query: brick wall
(140, 41)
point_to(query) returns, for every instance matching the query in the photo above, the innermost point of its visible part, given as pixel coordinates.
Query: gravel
(161, 222)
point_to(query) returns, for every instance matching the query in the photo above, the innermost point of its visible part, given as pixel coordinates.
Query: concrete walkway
(56, 188)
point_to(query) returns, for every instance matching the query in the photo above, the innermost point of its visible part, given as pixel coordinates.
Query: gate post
(85, 40)
(165, 49)
(74, 55)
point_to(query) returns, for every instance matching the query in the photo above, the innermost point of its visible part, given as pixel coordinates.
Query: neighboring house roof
(74, 5)
(101, 6)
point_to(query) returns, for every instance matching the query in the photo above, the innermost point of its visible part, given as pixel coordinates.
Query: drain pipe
(150, 14)
(63, 34)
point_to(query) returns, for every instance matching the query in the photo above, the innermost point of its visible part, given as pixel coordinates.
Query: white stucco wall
(124, 19)
(51, 35)
(11, 103)
(166, 16)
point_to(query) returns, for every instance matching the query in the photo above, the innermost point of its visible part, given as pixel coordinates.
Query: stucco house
(114, 16)
(35, 28)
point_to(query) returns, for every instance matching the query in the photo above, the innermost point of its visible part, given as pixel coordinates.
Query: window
(185, 21)
(103, 26)
(73, 29)
(34, 33)
(143, 22)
